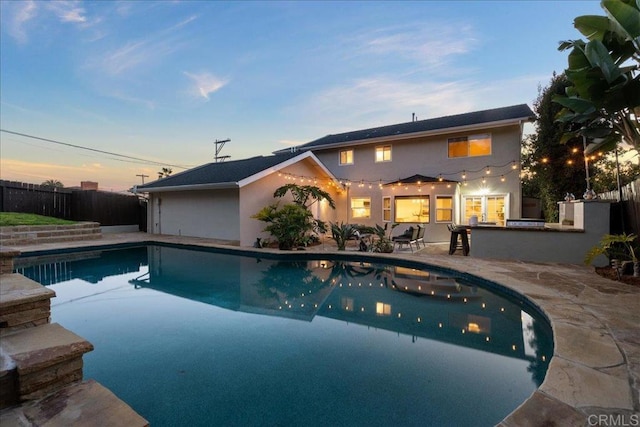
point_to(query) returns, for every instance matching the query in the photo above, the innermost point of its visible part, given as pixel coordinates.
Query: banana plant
(603, 101)
(620, 246)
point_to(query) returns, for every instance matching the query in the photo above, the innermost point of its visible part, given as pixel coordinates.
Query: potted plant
(617, 247)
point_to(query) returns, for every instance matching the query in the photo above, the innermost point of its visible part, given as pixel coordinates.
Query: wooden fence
(36, 199)
(76, 205)
(627, 218)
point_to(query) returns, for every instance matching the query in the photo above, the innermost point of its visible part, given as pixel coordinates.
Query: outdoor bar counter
(549, 242)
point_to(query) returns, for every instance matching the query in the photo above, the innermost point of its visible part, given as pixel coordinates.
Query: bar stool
(458, 243)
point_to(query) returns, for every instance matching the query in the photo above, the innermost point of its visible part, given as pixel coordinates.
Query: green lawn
(18, 218)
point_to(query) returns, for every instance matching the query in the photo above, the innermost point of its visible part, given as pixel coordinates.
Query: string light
(466, 175)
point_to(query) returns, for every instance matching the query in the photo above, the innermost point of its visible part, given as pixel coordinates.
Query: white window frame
(366, 207)
(382, 149)
(386, 210)
(425, 197)
(340, 157)
(483, 206)
(469, 138)
(453, 206)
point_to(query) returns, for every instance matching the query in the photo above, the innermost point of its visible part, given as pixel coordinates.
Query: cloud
(67, 11)
(16, 15)
(377, 100)
(425, 44)
(204, 84)
(142, 52)
(133, 100)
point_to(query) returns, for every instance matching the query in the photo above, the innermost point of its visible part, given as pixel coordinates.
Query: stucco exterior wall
(428, 156)
(203, 213)
(258, 194)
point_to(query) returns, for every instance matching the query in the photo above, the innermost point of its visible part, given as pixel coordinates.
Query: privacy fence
(77, 205)
(627, 216)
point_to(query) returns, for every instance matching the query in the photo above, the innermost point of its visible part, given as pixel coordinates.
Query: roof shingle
(222, 172)
(514, 112)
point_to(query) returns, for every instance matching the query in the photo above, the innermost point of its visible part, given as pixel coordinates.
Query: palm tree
(52, 183)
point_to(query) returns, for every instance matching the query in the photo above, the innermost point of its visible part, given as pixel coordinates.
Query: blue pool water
(198, 338)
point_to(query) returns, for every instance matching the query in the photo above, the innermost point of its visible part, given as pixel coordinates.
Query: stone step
(24, 235)
(39, 360)
(23, 302)
(81, 404)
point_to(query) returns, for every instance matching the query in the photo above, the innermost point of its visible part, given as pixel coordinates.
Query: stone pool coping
(594, 376)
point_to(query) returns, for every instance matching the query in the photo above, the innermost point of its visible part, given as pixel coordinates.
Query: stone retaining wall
(36, 234)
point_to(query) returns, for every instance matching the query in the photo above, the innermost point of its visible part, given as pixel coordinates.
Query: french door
(487, 208)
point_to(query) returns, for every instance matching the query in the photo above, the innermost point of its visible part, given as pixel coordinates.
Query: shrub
(291, 225)
(341, 233)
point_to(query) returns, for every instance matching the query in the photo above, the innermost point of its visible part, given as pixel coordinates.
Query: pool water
(199, 338)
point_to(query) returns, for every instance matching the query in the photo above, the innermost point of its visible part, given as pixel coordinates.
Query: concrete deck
(594, 376)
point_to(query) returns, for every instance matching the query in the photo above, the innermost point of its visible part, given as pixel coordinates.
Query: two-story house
(433, 172)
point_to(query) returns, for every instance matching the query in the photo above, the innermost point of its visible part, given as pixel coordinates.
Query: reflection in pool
(190, 337)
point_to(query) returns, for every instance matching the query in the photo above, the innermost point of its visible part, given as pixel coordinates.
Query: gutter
(192, 187)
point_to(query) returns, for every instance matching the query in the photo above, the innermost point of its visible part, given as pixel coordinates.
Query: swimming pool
(198, 337)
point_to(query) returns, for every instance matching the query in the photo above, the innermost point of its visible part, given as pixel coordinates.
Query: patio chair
(407, 239)
(420, 238)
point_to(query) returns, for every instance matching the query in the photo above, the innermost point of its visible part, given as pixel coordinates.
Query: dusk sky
(161, 81)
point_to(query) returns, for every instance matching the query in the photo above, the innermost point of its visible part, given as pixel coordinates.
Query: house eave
(193, 187)
(303, 155)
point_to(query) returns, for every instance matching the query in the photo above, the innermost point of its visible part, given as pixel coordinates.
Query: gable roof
(415, 179)
(229, 174)
(497, 116)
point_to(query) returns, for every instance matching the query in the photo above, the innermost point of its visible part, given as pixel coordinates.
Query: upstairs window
(470, 146)
(346, 157)
(383, 153)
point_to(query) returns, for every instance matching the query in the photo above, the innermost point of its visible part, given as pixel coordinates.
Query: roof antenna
(219, 145)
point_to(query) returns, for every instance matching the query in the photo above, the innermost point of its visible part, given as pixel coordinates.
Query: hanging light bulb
(488, 171)
(464, 175)
(502, 178)
(514, 165)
